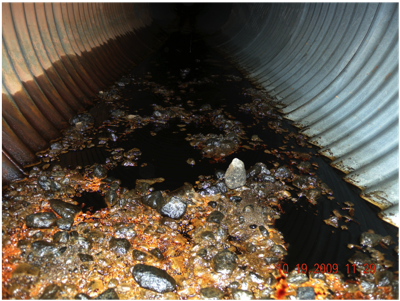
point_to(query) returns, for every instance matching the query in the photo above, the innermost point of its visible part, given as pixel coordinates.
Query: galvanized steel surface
(56, 56)
(335, 68)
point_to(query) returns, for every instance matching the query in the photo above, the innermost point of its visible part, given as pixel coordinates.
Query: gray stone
(111, 197)
(305, 293)
(283, 173)
(256, 278)
(221, 187)
(215, 217)
(65, 223)
(235, 175)
(119, 246)
(211, 293)
(383, 278)
(99, 171)
(157, 253)
(264, 232)
(296, 278)
(64, 209)
(139, 255)
(172, 207)
(42, 248)
(207, 235)
(152, 200)
(55, 186)
(80, 241)
(242, 294)
(61, 237)
(44, 183)
(367, 287)
(85, 257)
(50, 292)
(224, 262)
(109, 294)
(370, 239)
(82, 296)
(41, 220)
(154, 279)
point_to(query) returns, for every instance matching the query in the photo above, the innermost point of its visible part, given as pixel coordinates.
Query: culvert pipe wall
(334, 69)
(332, 66)
(56, 56)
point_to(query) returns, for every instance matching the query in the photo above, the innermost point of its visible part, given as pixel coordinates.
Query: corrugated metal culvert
(332, 66)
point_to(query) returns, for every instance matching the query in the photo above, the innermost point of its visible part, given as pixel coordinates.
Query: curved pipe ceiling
(333, 68)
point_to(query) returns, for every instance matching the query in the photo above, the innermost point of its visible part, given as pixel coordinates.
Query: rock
(360, 259)
(61, 237)
(219, 174)
(253, 171)
(305, 182)
(172, 207)
(215, 217)
(211, 293)
(235, 175)
(51, 292)
(44, 183)
(242, 294)
(256, 278)
(26, 270)
(207, 235)
(169, 222)
(283, 173)
(119, 246)
(250, 247)
(109, 294)
(212, 204)
(82, 296)
(42, 248)
(154, 279)
(55, 186)
(221, 234)
(370, 239)
(235, 199)
(65, 223)
(83, 117)
(41, 220)
(264, 232)
(64, 209)
(139, 255)
(279, 250)
(157, 253)
(234, 285)
(296, 278)
(383, 278)
(125, 231)
(111, 197)
(152, 200)
(224, 262)
(221, 187)
(99, 171)
(80, 241)
(305, 293)
(367, 287)
(85, 257)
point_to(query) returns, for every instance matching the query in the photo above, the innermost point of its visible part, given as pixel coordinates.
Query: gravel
(154, 279)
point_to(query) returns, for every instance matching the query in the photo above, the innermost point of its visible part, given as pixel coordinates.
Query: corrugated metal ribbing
(335, 68)
(56, 56)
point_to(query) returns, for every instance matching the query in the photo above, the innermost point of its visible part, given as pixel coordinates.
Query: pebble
(283, 173)
(219, 174)
(383, 278)
(212, 204)
(44, 183)
(264, 232)
(153, 200)
(173, 207)
(253, 171)
(154, 279)
(55, 186)
(42, 248)
(235, 199)
(111, 197)
(65, 223)
(85, 257)
(26, 270)
(51, 292)
(139, 255)
(215, 217)
(296, 278)
(82, 296)
(367, 287)
(99, 171)
(64, 209)
(370, 239)
(61, 237)
(41, 220)
(224, 262)
(305, 293)
(109, 294)
(157, 253)
(119, 246)
(235, 175)
(242, 294)
(191, 161)
(211, 293)
(81, 242)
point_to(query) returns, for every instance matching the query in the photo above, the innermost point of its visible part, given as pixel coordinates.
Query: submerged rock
(305, 293)
(154, 279)
(211, 293)
(64, 209)
(224, 262)
(172, 207)
(41, 220)
(120, 246)
(235, 175)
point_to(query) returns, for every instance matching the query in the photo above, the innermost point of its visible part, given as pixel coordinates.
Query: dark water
(310, 240)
